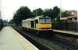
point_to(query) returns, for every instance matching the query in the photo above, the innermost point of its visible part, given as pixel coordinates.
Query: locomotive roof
(41, 17)
(29, 19)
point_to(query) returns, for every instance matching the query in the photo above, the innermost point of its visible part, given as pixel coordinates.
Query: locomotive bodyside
(41, 25)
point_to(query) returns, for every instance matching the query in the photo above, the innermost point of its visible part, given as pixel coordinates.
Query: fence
(67, 25)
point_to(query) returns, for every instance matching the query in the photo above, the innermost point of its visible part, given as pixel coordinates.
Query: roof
(29, 19)
(37, 17)
(65, 18)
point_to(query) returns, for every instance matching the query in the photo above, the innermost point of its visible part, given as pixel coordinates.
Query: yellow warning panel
(43, 26)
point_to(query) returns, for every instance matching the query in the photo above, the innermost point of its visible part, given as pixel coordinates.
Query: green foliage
(65, 14)
(48, 12)
(24, 13)
(56, 12)
(21, 14)
(38, 12)
(1, 24)
(11, 21)
(52, 13)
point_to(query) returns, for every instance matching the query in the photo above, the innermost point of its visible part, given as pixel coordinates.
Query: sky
(9, 7)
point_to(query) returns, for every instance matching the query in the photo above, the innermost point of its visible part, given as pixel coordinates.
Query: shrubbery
(1, 24)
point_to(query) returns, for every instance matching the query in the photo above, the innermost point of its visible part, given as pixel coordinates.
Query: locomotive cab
(44, 23)
(43, 26)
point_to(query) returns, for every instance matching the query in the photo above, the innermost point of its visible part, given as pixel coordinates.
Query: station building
(73, 17)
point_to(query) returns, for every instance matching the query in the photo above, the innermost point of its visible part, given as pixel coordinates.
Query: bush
(1, 24)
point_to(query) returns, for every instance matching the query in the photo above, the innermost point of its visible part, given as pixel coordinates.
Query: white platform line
(67, 32)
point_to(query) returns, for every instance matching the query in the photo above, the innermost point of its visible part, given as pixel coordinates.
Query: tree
(56, 12)
(21, 14)
(48, 12)
(5, 22)
(38, 12)
(65, 14)
(11, 22)
(1, 24)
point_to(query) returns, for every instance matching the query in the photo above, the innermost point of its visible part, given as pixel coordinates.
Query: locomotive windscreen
(44, 20)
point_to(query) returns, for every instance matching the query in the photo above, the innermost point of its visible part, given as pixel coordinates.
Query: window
(44, 20)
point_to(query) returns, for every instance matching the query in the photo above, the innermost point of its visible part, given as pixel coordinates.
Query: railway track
(67, 44)
(53, 43)
(27, 36)
(56, 43)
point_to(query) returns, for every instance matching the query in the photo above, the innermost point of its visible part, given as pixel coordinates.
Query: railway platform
(12, 40)
(66, 32)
